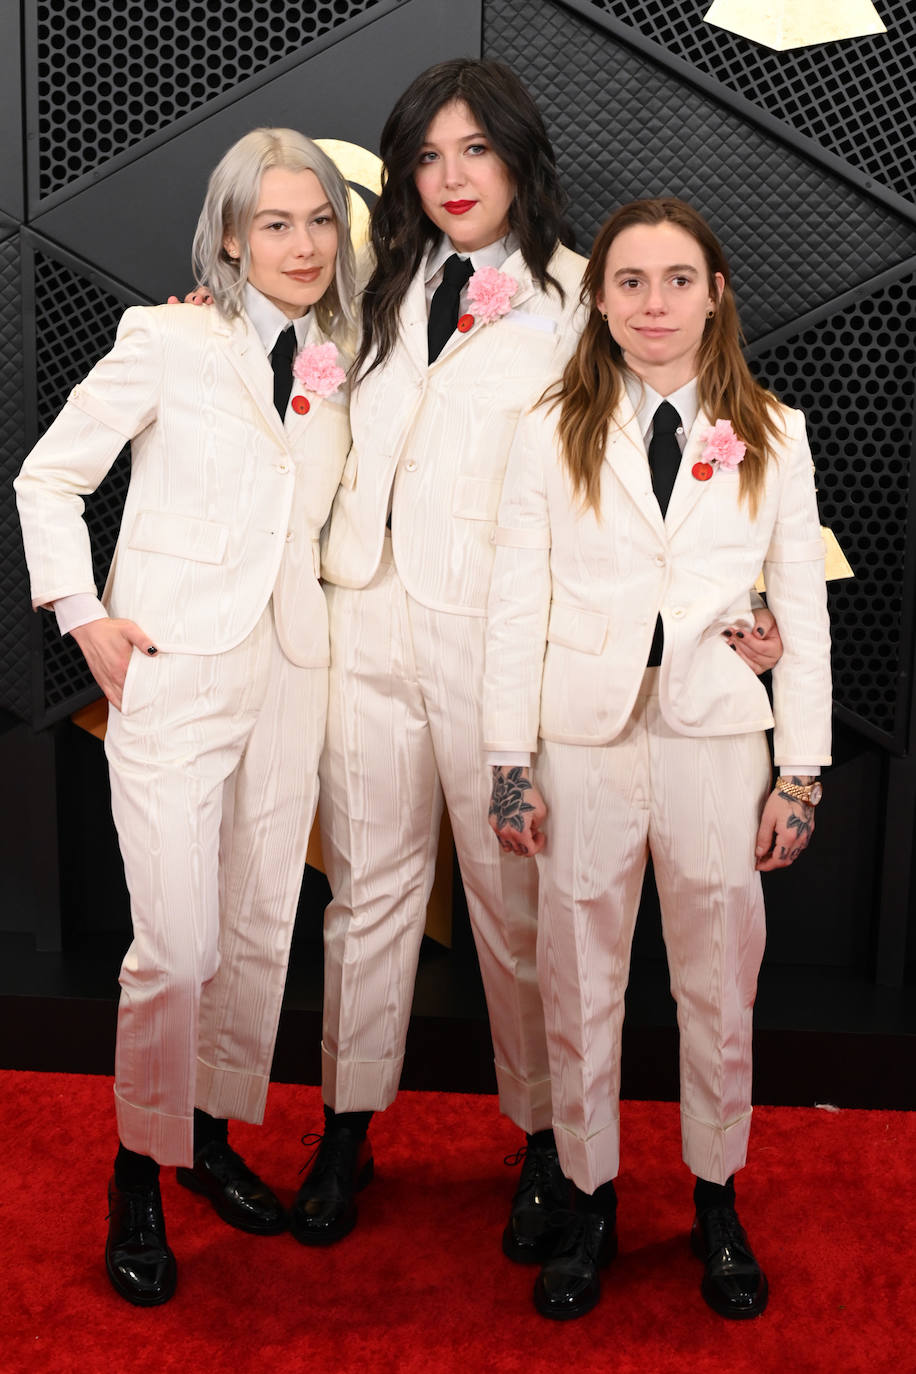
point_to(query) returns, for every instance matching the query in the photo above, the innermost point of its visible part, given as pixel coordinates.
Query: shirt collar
(646, 400)
(269, 320)
(493, 255)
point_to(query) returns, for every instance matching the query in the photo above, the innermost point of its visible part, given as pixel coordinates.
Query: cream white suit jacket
(574, 598)
(225, 504)
(436, 438)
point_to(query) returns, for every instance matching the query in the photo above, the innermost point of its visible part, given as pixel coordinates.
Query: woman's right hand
(199, 296)
(517, 811)
(107, 646)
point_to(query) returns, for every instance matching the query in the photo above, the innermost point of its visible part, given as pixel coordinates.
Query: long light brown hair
(592, 384)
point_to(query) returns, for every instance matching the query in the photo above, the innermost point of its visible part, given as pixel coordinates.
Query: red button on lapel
(465, 323)
(702, 471)
(301, 405)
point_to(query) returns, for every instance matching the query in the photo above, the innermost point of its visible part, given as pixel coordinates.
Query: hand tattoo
(507, 801)
(803, 825)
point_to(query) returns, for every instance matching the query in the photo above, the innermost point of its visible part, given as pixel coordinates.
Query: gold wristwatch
(810, 792)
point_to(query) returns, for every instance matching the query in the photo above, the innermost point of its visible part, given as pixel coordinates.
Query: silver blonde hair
(229, 209)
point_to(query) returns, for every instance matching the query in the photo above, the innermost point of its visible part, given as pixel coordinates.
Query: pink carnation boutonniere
(723, 450)
(317, 368)
(489, 294)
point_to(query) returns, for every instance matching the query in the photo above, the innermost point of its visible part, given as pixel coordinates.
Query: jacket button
(678, 612)
(659, 560)
(301, 405)
(283, 467)
(290, 536)
(410, 467)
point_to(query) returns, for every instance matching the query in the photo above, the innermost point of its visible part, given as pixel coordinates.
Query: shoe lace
(224, 1163)
(722, 1230)
(576, 1231)
(332, 1152)
(310, 1141)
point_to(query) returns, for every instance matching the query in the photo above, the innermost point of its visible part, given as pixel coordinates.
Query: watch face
(816, 793)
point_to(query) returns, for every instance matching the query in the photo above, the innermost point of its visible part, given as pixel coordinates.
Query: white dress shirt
(493, 255)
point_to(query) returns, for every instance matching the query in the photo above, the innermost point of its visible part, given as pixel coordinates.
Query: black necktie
(443, 310)
(664, 452)
(281, 360)
(664, 461)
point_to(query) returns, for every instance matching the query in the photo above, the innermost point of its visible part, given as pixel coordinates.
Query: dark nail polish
(759, 631)
(733, 648)
(152, 650)
(727, 633)
(740, 634)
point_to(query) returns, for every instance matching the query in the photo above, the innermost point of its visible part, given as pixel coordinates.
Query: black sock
(134, 1171)
(706, 1195)
(357, 1122)
(208, 1129)
(543, 1140)
(603, 1200)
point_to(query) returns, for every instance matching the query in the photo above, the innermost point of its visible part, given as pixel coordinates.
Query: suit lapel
(514, 267)
(414, 320)
(625, 454)
(239, 340)
(687, 489)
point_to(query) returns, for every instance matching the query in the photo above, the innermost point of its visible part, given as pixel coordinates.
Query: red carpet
(421, 1286)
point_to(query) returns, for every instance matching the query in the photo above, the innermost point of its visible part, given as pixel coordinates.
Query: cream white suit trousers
(404, 727)
(695, 804)
(213, 763)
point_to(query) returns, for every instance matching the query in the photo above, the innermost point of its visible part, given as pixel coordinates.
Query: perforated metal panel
(797, 236)
(75, 323)
(15, 611)
(854, 375)
(111, 74)
(855, 99)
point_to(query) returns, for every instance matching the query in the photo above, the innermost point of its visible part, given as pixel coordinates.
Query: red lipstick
(459, 207)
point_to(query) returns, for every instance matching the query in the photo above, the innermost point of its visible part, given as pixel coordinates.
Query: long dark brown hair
(592, 384)
(401, 231)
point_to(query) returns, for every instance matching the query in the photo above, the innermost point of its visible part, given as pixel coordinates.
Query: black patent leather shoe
(569, 1285)
(237, 1194)
(325, 1207)
(137, 1256)
(542, 1191)
(734, 1284)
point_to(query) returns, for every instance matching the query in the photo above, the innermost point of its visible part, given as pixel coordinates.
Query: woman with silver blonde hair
(211, 644)
(229, 207)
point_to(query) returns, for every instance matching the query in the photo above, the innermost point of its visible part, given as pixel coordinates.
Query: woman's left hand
(761, 646)
(786, 827)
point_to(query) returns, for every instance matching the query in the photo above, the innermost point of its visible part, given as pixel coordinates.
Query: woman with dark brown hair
(470, 312)
(642, 497)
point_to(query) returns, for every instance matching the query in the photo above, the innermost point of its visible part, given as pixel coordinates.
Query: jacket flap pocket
(182, 536)
(576, 628)
(476, 498)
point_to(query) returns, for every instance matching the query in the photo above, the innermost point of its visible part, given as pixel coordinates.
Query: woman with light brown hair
(642, 497)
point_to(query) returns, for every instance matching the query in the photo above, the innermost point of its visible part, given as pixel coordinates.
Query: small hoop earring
(710, 314)
(604, 317)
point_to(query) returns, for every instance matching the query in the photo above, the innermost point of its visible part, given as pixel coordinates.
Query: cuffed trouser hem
(167, 1139)
(527, 1104)
(715, 1152)
(354, 1085)
(231, 1093)
(591, 1162)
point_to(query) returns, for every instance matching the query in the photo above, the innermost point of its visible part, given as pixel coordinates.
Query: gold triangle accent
(783, 24)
